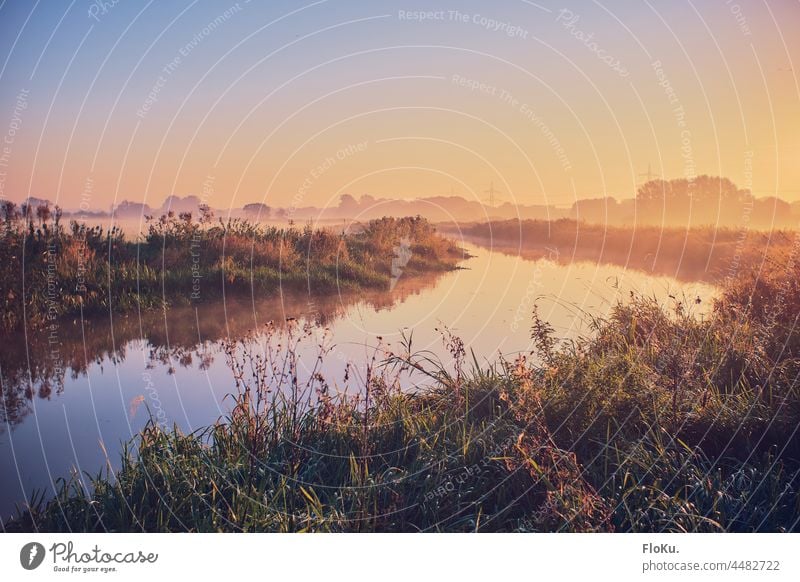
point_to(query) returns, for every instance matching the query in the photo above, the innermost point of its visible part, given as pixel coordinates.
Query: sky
(296, 103)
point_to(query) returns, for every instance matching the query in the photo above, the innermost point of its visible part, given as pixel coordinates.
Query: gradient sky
(251, 108)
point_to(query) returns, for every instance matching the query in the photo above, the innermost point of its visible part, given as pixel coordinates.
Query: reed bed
(656, 421)
(48, 271)
(707, 253)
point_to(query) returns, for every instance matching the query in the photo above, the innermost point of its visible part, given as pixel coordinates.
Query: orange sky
(295, 106)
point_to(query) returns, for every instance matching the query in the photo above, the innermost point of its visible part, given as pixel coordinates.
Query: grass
(48, 271)
(697, 253)
(656, 421)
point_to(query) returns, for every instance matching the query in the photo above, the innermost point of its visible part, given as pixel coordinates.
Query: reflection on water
(706, 266)
(38, 363)
(81, 387)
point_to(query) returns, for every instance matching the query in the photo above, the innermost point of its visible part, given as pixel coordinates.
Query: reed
(715, 254)
(657, 420)
(48, 271)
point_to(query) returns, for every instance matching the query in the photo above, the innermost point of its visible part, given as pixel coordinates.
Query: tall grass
(48, 271)
(656, 421)
(699, 253)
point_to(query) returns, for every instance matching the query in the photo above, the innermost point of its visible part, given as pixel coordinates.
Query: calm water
(88, 386)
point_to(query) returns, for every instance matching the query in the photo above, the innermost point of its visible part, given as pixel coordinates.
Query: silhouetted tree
(701, 200)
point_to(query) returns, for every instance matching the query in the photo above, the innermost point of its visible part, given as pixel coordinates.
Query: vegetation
(175, 337)
(700, 253)
(657, 421)
(683, 203)
(709, 200)
(48, 271)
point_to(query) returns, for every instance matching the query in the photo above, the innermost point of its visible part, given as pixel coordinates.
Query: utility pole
(491, 192)
(649, 175)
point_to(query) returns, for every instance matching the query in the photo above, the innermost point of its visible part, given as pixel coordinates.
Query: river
(74, 393)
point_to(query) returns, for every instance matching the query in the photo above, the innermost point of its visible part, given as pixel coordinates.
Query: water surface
(74, 393)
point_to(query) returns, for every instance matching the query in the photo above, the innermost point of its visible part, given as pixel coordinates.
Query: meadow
(657, 420)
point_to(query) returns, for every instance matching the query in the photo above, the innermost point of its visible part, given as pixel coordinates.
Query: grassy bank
(658, 421)
(48, 271)
(698, 253)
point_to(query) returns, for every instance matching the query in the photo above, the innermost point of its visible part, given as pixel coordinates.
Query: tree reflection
(37, 363)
